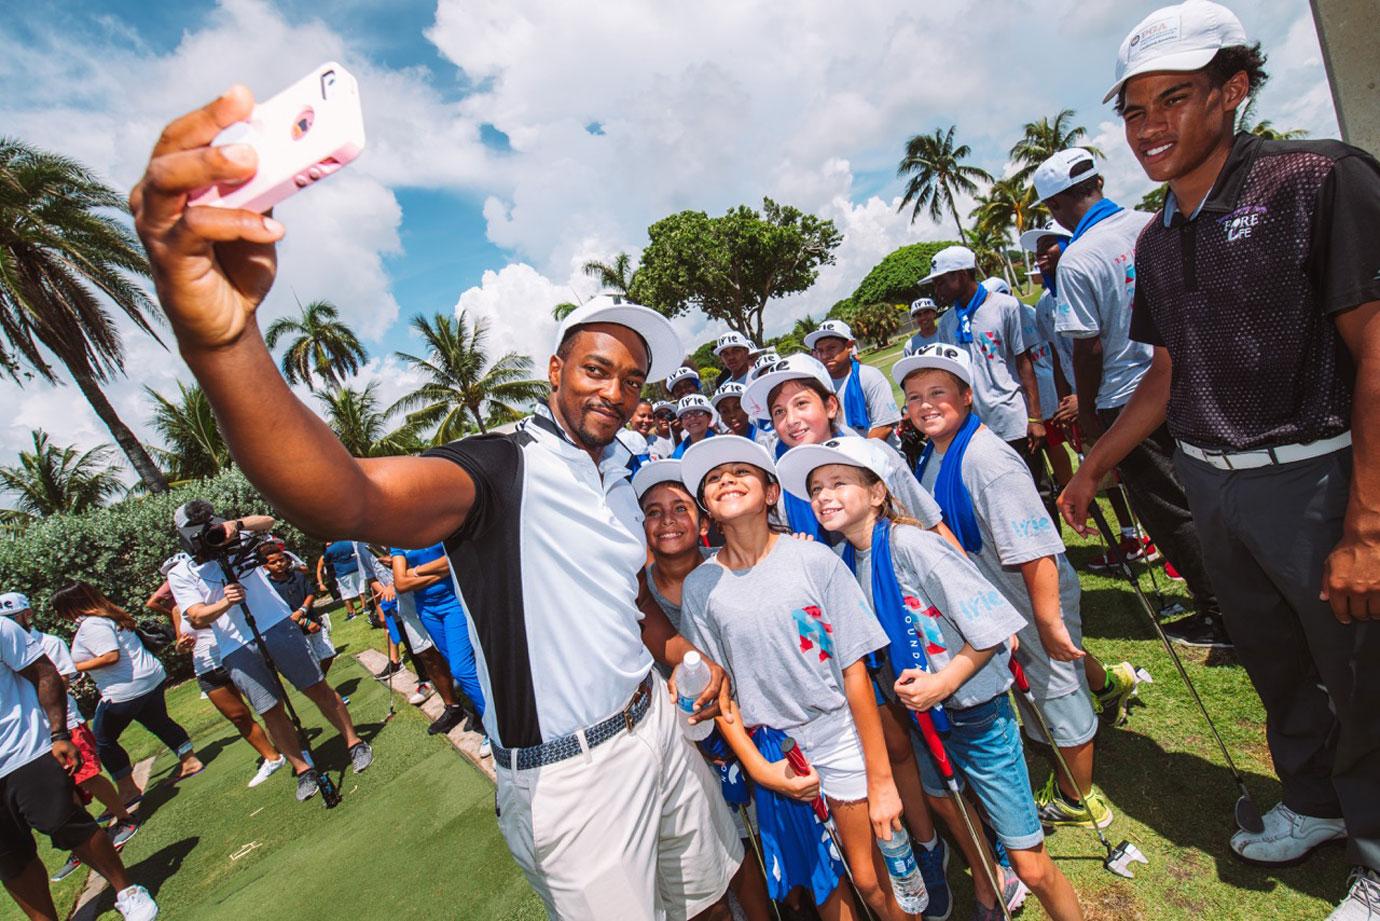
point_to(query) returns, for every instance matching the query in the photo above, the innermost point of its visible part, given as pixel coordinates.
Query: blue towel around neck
(1104, 209)
(855, 402)
(800, 516)
(953, 497)
(684, 445)
(795, 845)
(964, 314)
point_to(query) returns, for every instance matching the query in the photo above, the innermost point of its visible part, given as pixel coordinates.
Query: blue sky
(483, 187)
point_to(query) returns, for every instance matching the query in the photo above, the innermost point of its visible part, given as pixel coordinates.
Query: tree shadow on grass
(347, 687)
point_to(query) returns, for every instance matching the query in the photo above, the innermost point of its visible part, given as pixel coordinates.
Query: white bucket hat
(800, 366)
(697, 403)
(733, 341)
(950, 259)
(656, 330)
(939, 355)
(1177, 38)
(680, 374)
(704, 456)
(654, 472)
(730, 389)
(795, 466)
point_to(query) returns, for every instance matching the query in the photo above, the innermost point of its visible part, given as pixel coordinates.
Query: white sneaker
(421, 696)
(1362, 902)
(267, 770)
(1287, 839)
(485, 747)
(135, 904)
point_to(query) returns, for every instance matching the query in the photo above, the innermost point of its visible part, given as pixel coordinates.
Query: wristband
(60, 735)
(1036, 421)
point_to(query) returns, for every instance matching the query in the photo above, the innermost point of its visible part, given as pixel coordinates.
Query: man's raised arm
(212, 267)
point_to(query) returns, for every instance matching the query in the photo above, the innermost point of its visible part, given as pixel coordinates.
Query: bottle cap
(691, 659)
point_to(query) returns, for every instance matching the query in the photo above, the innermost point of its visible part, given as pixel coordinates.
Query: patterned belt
(569, 746)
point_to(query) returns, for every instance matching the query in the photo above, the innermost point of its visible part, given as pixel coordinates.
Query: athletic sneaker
(307, 785)
(1287, 839)
(135, 904)
(121, 832)
(266, 770)
(1013, 892)
(1113, 702)
(421, 695)
(391, 669)
(486, 747)
(361, 756)
(1133, 548)
(1171, 572)
(67, 869)
(1055, 810)
(934, 862)
(1362, 902)
(1201, 631)
(450, 717)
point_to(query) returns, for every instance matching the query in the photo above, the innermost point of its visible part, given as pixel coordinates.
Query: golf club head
(1121, 857)
(1247, 816)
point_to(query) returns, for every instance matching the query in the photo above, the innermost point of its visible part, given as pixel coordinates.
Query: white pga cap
(829, 329)
(1031, 238)
(654, 472)
(1176, 38)
(730, 389)
(996, 285)
(733, 341)
(704, 456)
(936, 355)
(950, 259)
(680, 374)
(800, 366)
(11, 603)
(696, 403)
(656, 330)
(1056, 174)
(923, 303)
(795, 466)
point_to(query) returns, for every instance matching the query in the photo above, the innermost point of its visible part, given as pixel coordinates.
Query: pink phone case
(306, 132)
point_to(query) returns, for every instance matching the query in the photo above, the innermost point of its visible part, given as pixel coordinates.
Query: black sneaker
(1201, 631)
(307, 785)
(450, 717)
(392, 669)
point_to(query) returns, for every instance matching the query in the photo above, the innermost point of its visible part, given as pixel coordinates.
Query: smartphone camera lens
(327, 81)
(302, 123)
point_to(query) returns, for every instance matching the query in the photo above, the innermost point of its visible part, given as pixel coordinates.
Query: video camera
(204, 536)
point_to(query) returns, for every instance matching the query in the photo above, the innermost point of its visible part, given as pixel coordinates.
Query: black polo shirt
(1243, 293)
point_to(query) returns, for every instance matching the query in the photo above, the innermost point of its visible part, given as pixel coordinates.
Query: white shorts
(320, 641)
(412, 624)
(634, 829)
(838, 760)
(351, 585)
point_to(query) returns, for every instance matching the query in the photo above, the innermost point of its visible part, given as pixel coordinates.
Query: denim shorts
(984, 747)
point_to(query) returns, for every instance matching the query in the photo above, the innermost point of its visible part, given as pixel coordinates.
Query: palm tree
(938, 175)
(989, 246)
(362, 428)
(52, 479)
(1245, 121)
(463, 387)
(614, 277)
(1153, 200)
(323, 346)
(59, 250)
(563, 310)
(193, 445)
(1009, 205)
(1044, 138)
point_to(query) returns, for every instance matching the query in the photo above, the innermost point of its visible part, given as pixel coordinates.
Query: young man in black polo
(1259, 287)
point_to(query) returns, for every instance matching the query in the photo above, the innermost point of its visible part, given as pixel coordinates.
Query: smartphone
(303, 134)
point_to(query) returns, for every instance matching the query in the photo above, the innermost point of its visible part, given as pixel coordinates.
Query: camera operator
(207, 599)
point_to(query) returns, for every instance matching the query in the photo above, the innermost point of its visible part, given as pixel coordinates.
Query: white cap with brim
(697, 403)
(656, 330)
(1030, 240)
(936, 355)
(795, 466)
(950, 259)
(1056, 174)
(996, 285)
(835, 329)
(684, 372)
(730, 389)
(654, 472)
(12, 604)
(703, 457)
(171, 562)
(799, 366)
(733, 341)
(1176, 39)
(665, 406)
(921, 304)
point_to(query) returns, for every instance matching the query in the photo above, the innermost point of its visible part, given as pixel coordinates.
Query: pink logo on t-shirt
(814, 631)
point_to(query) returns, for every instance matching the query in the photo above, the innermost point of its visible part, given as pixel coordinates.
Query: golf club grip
(796, 759)
(929, 732)
(1018, 673)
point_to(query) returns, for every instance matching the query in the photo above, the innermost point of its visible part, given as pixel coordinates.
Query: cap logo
(832, 443)
(1154, 35)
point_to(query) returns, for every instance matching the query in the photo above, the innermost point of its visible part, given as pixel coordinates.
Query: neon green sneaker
(1113, 702)
(1057, 811)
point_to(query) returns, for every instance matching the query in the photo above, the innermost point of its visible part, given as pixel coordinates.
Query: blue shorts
(984, 746)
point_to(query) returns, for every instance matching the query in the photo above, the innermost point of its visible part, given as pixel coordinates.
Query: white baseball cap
(730, 389)
(923, 303)
(171, 562)
(950, 259)
(696, 403)
(767, 356)
(654, 472)
(1055, 175)
(800, 366)
(656, 330)
(680, 374)
(12, 603)
(1031, 238)
(704, 456)
(996, 285)
(939, 355)
(733, 341)
(829, 329)
(663, 406)
(1176, 38)
(795, 466)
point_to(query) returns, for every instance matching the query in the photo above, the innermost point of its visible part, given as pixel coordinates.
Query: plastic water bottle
(906, 882)
(692, 677)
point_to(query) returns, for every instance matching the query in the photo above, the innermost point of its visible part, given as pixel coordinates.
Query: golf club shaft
(796, 758)
(757, 849)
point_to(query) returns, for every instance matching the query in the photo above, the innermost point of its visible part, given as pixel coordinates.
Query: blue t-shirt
(341, 556)
(433, 597)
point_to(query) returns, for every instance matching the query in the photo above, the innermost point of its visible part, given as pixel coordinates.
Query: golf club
(757, 849)
(1247, 815)
(1119, 858)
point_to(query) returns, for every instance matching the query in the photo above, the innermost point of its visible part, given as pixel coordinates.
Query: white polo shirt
(23, 725)
(546, 565)
(204, 583)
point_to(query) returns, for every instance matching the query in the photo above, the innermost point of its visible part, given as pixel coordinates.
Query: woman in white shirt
(129, 677)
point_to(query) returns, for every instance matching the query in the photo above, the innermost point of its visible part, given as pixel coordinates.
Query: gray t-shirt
(1045, 308)
(920, 340)
(1016, 528)
(135, 673)
(952, 604)
(1042, 358)
(785, 630)
(881, 404)
(997, 341)
(1097, 288)
(668, 607)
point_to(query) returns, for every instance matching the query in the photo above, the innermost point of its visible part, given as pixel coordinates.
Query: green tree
(462, 386)
(55, 480)
(875, 323)
(354, 415)
(730, 267)
(989, 247)
(1153, 200)
(563, 310)
(1042, 139)
(1246, 121)
(896, 279)
(614, 277)
(60, 249)
(938, 175)
(322, 346)
(193, 446)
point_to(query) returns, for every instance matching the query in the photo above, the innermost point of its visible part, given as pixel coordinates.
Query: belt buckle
(633, 702)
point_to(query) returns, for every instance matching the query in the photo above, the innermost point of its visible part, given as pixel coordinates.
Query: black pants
(39, 795)
(1159, 502)
(1266, 533)
(149, 711)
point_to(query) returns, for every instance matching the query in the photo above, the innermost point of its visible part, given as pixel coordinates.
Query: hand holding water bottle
(906, 882)
(691, 678)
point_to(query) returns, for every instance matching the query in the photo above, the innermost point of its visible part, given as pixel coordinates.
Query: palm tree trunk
(143, 465)
(953, 209)
(478, 420)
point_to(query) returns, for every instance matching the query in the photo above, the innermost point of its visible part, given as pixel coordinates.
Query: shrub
(895, 280)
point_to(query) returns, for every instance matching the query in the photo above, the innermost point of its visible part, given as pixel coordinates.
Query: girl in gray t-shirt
(790, 625)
